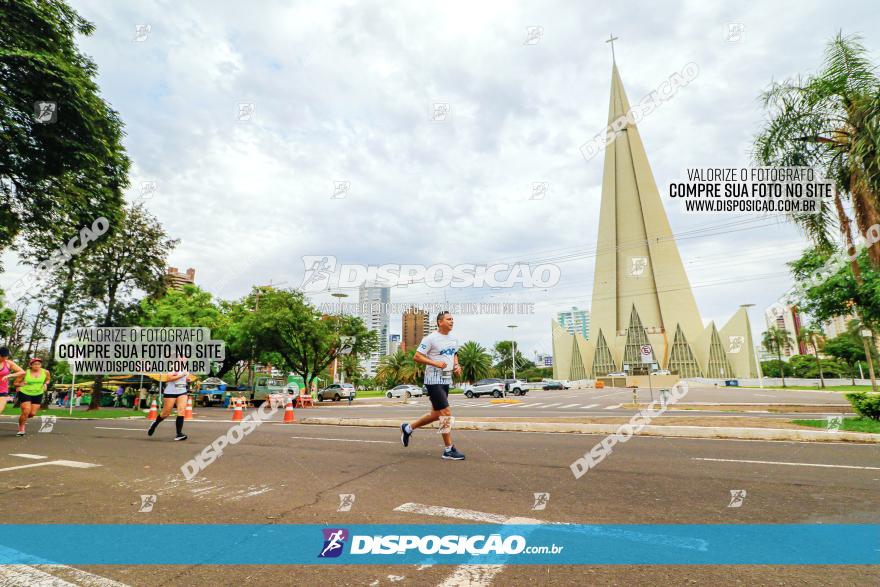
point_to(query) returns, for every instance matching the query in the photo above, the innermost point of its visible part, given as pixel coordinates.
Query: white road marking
(27, 456)
(115, 428)
(43, 575)
(15, 575)
(551, 405)
(588, 406)
(83, 578)
(470, 575)
(568, 406)
(534, 405)
(789, 464)
(342, 440)
(61, 463)
(611, 407)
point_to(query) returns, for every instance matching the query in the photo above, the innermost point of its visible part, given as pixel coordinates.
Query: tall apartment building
(416, 325)
(373, 303)
(575, 321)
(790, 320)
(176, 280)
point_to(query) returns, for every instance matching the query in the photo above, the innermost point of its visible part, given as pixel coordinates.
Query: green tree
(72, 163)
(502, 356)
(829, 121)
(393, 368)
(849, 347)
(285, 323)
(131, 259)
(775, 340)
(812, 335)
(475, 362)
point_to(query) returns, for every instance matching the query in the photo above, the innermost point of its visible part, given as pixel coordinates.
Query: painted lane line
(568, 406)
(588, 406)
(551, 405)
(345, 439)
(611, 407)
(789, 464)
(460, 576)
(115, 428)
(82, 578)
(61, 463)
(27, 456)
(534, 405)
(14, 575)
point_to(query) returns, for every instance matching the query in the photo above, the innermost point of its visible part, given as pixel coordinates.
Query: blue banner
(453, 544)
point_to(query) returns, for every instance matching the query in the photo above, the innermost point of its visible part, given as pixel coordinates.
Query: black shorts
(34, 399)
(439, 395)
(173, 395)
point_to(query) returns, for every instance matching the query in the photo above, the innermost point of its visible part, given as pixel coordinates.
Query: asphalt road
(295, 473)
(595, 403)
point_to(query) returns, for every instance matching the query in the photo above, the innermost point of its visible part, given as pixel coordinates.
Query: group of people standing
(32, 384)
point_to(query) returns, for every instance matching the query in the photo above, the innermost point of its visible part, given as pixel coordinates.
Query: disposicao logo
(334, 542)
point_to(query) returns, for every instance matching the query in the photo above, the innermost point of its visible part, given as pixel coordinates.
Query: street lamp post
(513, 352)
(754, 348)
(338, 295)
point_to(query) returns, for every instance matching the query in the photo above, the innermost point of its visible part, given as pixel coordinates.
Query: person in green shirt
(36, 381)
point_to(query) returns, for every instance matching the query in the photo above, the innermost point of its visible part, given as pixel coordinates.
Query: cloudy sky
(344, 92)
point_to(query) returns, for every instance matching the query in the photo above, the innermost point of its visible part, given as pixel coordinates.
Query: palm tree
(391, 369)
(412, 372)
(829, 121)
(774, 341)
(811, 335)
(475, 362)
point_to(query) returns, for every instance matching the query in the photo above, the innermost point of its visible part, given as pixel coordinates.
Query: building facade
(373, 303)
(575, 321)
(641, 293)
(176, 280)
(415, 325)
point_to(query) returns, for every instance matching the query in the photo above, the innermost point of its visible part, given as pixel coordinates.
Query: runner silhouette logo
(334, 542)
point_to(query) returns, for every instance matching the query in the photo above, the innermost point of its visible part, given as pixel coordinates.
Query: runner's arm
(14, 370)
(420, 358)
(48, 379)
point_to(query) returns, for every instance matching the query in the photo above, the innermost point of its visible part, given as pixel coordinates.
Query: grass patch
(814, 387)
(81, 412)
(849, 424)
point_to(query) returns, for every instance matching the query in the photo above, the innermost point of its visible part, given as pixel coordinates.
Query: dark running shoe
(181, 437)
(453, 455)
(152, 427)
(404, 435)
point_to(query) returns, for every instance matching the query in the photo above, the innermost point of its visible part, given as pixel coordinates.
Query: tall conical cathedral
(641, 293)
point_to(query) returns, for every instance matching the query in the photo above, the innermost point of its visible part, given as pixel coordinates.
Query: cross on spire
(611, 39)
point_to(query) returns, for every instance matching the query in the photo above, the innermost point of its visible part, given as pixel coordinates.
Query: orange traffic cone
(288, 412)
(188, 413)
(236, 415)
(154, 411)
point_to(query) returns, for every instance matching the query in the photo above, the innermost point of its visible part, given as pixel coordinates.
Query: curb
(78, 418)
(666, 431)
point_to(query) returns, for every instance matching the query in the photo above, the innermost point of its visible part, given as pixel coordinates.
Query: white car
(493, 387)
(406, 391)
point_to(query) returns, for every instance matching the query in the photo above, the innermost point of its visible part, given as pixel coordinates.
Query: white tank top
(176, 387)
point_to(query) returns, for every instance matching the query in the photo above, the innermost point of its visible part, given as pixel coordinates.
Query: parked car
(405, 391)
(337, 391)
(516, 386)
(555, 385)
(493, 387)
